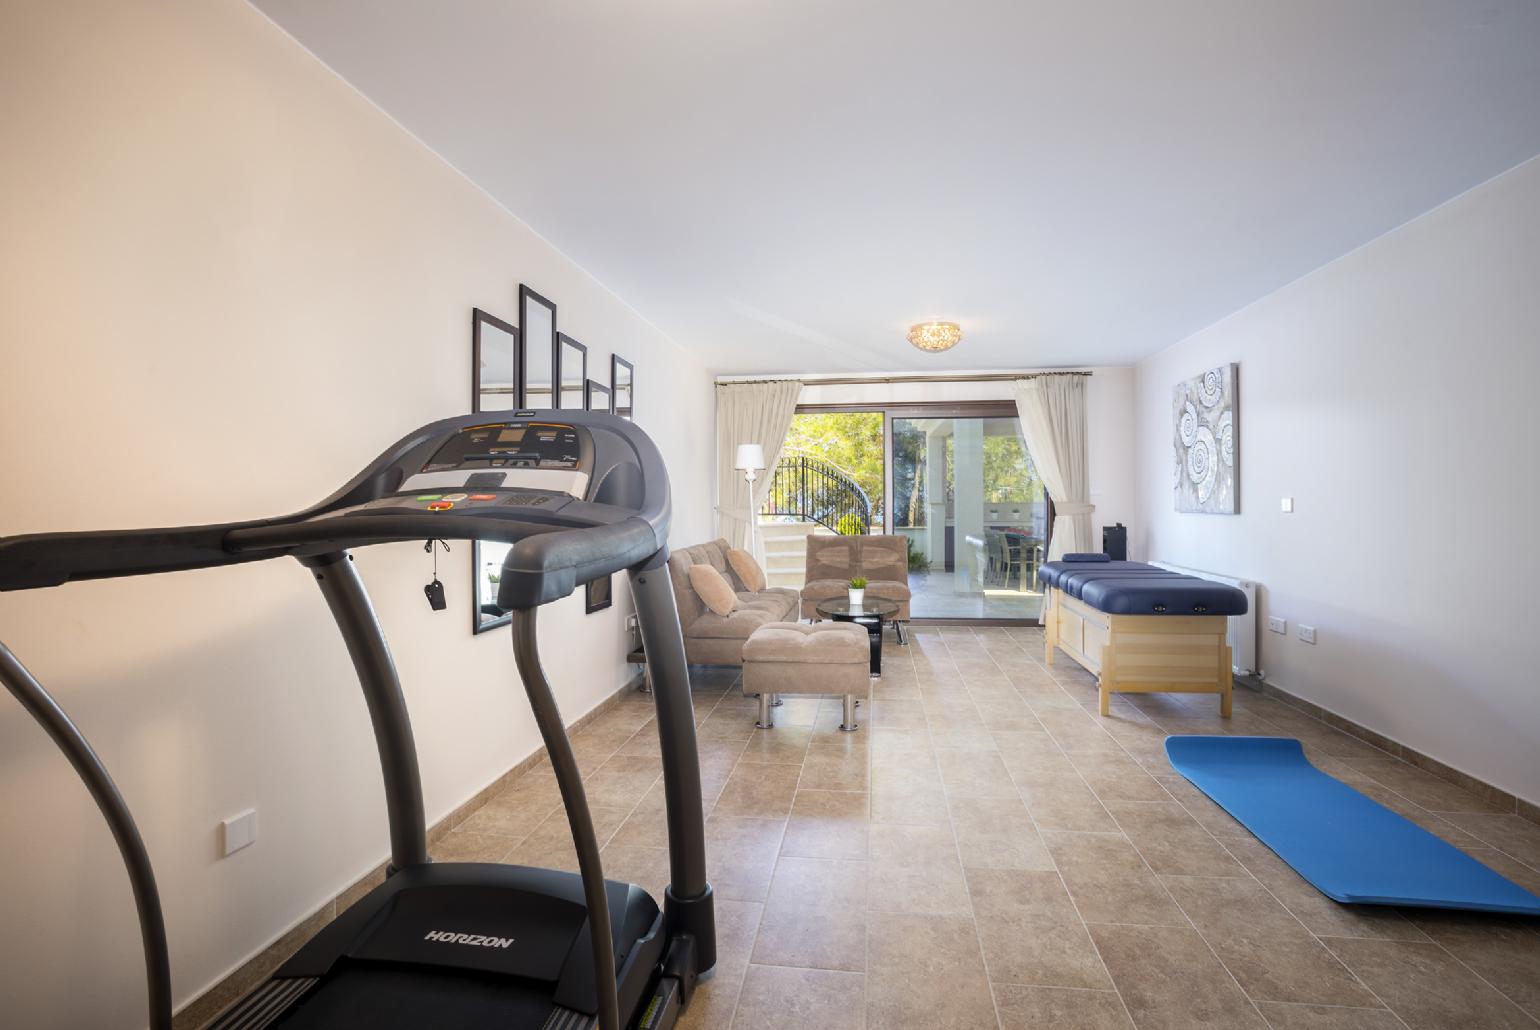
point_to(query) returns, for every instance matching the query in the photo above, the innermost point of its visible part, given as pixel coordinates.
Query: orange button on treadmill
(483, 497)
(441, 505)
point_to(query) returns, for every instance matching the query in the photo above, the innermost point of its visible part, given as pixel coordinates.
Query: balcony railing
(810, 488)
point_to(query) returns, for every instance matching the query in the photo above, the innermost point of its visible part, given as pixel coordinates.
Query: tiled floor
(987, 853)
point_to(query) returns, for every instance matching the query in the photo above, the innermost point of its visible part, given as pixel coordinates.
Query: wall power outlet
(1277, 625)
(1307, 634)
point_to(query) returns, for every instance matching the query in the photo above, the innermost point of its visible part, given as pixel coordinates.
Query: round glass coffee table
(871, 613)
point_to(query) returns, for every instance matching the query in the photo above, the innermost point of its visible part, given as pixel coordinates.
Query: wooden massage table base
(1142, 654)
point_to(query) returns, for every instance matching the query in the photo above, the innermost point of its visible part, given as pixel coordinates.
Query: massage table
(1139, 628)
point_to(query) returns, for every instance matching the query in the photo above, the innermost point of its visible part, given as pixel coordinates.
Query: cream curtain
(1053, 423)
(749, 413)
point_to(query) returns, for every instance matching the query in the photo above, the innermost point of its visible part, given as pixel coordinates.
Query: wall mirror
(571, 371)
(496, 363)
(537, 321)
(622, 385)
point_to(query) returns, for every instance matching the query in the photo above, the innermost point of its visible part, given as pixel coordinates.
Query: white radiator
(1243, 628)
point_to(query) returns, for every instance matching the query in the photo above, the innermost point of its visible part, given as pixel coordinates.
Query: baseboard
(206, 1007)
(1448, 773)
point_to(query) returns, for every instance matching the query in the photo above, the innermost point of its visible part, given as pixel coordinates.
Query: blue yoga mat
(1351, 847)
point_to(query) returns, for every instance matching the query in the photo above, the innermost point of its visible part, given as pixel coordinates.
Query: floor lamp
(751, 459)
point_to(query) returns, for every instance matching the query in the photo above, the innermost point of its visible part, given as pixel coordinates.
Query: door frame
(930, 409)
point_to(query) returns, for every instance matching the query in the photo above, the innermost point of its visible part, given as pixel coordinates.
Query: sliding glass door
(965, 493)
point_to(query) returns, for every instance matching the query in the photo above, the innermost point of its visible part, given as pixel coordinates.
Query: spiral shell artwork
(1206, 465)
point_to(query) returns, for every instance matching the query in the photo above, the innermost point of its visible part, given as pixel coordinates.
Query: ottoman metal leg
(766, 713)
(849, 725)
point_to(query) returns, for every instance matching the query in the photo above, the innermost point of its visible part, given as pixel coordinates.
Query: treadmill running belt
(408, 998)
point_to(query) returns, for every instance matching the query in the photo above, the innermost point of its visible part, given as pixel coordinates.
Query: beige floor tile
(784, 745)
(830, 935)
(1419, 787)
(1171, 841)
(1109, 880)
(828, 824)
(1059, 1008)
(997, 833)
(1323, 1017)
(1116, 777)
(974, 774)
(1031, 932)
(1224, 908)
(1426, 986)
(1503, 951)
(741, 853)
(622, 781)
(815, 999)
(908, 805)
(1300, 971)
(915, 869)
(1055, 793)
(759, 791)
(1170, 980)
(460, 846)
(926, 972)
(1511, 834)
(1077, 731)
(835, 770)
(512, 813)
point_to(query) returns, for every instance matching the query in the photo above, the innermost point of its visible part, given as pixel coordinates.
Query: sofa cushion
(737, 626)
(713, 589)
(824, 589)
(748, 570)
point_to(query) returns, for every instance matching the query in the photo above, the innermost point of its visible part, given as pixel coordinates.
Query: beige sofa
(712, 639)
(832, 561)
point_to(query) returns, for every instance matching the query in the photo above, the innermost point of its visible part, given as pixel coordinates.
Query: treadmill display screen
(530, 445)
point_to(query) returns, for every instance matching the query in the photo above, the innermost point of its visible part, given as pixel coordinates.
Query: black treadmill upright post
(141, 876)
(688, 902)
(344, 591)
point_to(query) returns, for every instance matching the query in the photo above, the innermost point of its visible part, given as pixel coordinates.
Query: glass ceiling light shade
(935, 336)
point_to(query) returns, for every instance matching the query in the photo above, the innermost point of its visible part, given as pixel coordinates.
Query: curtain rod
(982, 377)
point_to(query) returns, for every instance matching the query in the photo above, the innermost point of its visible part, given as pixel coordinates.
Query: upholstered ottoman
(797, 658)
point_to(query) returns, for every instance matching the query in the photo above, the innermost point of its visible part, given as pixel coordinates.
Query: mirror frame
(564, 343)
(592, 388)
(628, 413)
(526, 296)
(480, 318)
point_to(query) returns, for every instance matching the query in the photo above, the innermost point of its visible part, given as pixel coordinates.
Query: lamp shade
(750, 456)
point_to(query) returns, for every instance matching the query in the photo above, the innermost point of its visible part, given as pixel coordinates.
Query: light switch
(238, 831)
(1307, 634)
(1288, 504)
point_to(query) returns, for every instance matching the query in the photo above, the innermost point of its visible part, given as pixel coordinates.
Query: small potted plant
(857, 591)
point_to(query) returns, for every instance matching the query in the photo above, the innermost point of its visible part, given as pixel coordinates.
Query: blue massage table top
(1352, 848)
(1136, 588)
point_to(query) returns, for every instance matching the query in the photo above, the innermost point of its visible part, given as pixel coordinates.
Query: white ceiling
(786, 185)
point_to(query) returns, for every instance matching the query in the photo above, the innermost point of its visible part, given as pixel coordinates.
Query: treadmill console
(527, 462)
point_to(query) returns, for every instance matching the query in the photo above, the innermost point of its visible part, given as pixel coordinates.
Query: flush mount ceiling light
(935, 336)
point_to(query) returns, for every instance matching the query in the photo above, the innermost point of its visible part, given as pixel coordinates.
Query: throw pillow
(713, 589)
(747, 568)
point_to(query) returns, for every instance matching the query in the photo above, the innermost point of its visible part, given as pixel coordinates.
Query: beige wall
(1391, 394)
(226, 282)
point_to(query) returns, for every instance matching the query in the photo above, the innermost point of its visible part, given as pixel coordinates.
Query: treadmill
(579, 496)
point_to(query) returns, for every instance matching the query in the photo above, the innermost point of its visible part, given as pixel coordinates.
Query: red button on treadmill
(483, 497)
(441, 505)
